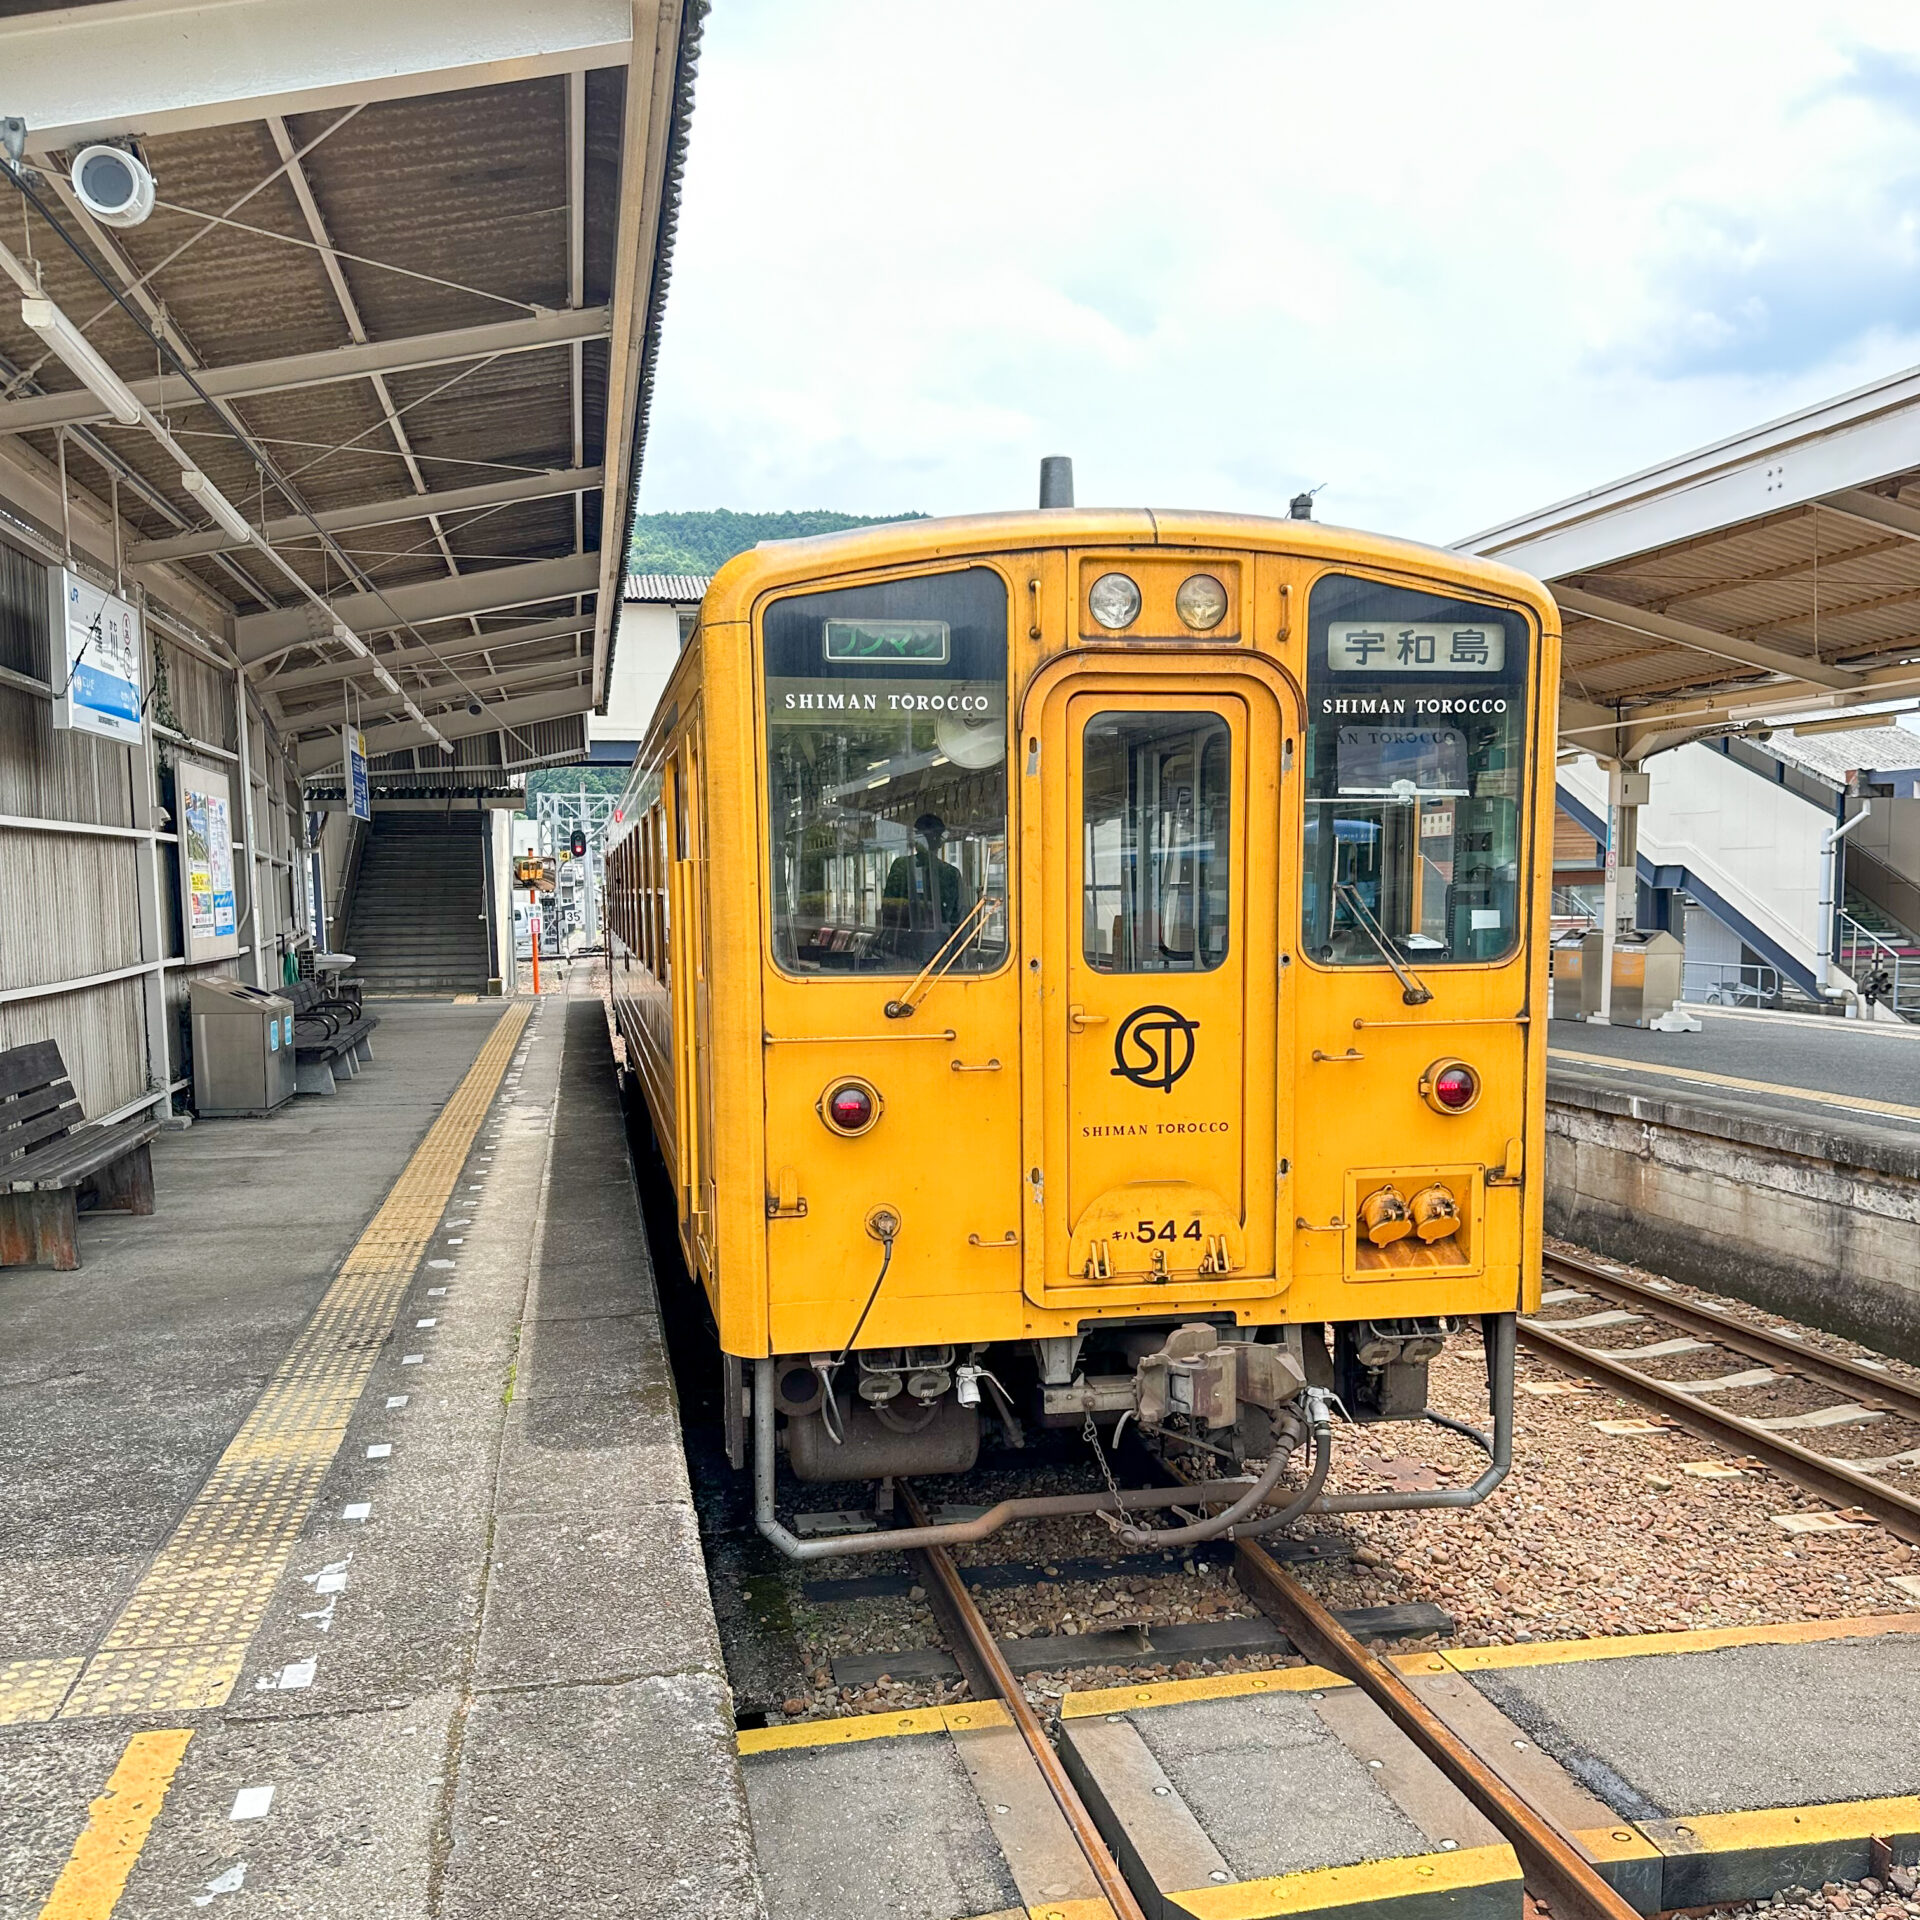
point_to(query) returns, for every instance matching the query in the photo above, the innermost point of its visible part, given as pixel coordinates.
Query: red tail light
(850, 1107)
(1450, 1086)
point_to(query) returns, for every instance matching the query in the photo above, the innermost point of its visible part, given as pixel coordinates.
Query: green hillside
(705, 542)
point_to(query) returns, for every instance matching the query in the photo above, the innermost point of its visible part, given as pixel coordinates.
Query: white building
(655, 620)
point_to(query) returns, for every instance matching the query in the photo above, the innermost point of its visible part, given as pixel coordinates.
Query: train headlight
(849, 1107)
(1114, 600)
(1450, 1086)
(1201, 602)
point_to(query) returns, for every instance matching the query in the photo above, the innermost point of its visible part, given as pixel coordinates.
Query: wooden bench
(330, 1036)
(50, 1158)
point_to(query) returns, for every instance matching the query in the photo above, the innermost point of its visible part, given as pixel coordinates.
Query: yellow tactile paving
(31, 1689)
(181, 1639)
(90, 1884)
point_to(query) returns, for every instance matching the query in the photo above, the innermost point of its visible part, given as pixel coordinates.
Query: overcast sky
(1449, 261)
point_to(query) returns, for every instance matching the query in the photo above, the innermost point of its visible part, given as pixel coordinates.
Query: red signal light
(850, 1107)
(1450, 1086)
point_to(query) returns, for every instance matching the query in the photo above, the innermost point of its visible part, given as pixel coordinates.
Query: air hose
(1320, 1416)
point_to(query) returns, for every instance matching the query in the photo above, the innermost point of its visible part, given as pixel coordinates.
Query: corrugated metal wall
(71, 902)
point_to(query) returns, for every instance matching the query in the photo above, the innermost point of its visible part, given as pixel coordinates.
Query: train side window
(1155, 842)
(887, 775)
(1415, 775)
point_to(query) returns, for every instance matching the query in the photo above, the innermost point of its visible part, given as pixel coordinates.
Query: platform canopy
(1772, 575)
(412, 252)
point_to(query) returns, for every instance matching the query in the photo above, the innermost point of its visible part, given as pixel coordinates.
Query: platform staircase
(417, 922)
(1874, 944)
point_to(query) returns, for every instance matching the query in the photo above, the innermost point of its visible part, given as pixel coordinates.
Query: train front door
(1157, 998)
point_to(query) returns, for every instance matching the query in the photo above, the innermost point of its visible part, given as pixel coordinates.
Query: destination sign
(920, 642)
(1362, 646)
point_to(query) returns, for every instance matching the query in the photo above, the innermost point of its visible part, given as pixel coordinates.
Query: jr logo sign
(1154, 1047)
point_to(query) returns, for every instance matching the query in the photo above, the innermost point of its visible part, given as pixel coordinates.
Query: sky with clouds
(1447, 262)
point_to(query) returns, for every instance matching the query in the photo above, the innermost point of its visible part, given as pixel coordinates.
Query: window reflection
(1155, 842)
(887, 750)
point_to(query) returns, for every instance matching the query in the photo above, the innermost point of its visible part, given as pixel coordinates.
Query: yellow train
(1088, 968)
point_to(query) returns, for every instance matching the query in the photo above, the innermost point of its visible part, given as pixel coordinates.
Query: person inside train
(925, 897)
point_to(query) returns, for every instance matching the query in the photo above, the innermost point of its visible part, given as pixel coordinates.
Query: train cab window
(887, 775)
(1415, 751)
(1155, 842)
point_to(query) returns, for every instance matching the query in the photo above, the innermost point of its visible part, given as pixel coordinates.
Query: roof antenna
(1056, 480)
(1300, 507)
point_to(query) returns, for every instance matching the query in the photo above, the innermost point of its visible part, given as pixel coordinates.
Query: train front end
(1148, 995)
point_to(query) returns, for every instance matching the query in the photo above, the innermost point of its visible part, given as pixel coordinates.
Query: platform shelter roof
(398, 299)
(1769, 575)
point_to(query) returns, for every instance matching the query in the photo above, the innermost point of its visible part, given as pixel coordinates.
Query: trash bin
(1567, 956)
(1648, 972)
(243, 1060)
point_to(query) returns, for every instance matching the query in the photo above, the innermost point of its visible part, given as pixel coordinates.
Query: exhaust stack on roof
(1056, 480)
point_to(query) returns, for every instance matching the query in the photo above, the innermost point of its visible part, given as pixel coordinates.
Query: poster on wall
(96, 659)
(209, 909)
(354, 772)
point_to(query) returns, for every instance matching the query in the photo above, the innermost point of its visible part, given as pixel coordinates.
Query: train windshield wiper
(1412, 990)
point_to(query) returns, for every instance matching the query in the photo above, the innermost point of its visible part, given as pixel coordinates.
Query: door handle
(1079, 1019)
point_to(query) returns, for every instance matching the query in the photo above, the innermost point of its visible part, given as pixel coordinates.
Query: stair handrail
(1850, 928)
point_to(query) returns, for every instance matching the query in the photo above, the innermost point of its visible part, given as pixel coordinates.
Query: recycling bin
(243, 1060)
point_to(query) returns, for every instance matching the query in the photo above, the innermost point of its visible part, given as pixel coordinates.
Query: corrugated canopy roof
(679, 588)
(1774, 573)
(422, 275)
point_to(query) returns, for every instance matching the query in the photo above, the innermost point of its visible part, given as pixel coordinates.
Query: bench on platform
(50, 1158)
(330, 1036)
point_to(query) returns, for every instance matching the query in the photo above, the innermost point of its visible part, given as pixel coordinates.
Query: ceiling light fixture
(215, 504)
(73, 346)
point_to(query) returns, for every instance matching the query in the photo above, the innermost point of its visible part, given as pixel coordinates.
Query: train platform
(1773, 1156)
(347, 1556)
(1797, 1073)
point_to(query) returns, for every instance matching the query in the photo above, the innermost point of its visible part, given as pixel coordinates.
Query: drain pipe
(1829, 904)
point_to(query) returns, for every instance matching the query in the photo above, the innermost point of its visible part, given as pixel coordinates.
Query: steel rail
(1555, 1868)
(986, 1669)
(1832, 1479)
(1757, 1343)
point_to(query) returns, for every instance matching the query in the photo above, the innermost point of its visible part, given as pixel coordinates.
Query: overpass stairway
(418, 919)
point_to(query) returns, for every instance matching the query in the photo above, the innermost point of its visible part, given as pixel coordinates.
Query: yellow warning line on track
(1319, 1888)
(1852, 1102)
(1624, 1646)
(1096, 1702)
(181, 1639)
(874, 1726)
(1776, 1828)
(95, 1875)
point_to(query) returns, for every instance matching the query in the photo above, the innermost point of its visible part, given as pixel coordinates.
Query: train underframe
(1226, 1409)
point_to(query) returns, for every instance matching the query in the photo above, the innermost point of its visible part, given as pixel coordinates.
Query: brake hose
(1319, 1413)
(829, 1406)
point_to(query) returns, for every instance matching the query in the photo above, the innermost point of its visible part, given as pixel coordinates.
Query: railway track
(1867, 1387)
(1557, 1870)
